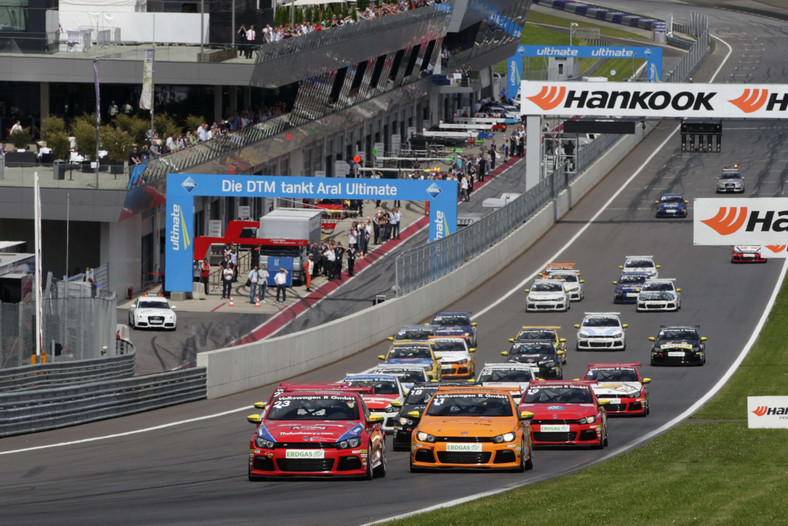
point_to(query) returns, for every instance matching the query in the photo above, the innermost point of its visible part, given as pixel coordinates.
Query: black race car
(678, 345)
(540, 353)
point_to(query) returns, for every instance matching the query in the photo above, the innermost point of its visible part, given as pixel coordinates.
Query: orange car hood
(472, 425)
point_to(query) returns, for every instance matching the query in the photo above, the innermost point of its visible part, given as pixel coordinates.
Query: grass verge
(700, 472)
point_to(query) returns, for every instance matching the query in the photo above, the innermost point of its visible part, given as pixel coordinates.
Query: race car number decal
(554, 428)
(677, 354)
(305, 453)
(474, 448)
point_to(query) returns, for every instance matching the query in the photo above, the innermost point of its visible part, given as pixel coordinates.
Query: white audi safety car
(659, 295)
(546, 294)
(152, 312)
(640, 265)
(601, 331)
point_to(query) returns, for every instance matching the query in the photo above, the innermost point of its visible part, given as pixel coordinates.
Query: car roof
(453, 313)
(409, 343)
(398, 367)
(674, 327)
(509, 365)
(592, 314)
(539, 383)
(534, 342)
(671, 194)
(555, 327)
(443, 389)
(660, 280)
(614, 365)
(389, 377)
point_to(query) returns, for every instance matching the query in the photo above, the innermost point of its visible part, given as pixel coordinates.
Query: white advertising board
(214, 228)
(635, 99)
(769, 412)
(742, 221)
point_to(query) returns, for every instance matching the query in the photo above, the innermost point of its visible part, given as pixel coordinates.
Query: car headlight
(583, 334)
(636, 394)
(547, 363)
(618, 334)
(587, 420)
(425, 437)
(405, 421)
(506, 437)
(391, 409)
(263, 443)
(349, 443)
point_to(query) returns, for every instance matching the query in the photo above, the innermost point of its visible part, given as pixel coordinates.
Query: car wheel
(131, 324)
(380, 471)
(521, 468)
(370, 474)
(252, 478)
(529, 464)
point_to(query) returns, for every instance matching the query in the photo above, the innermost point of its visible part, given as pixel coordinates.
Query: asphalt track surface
(195, 472)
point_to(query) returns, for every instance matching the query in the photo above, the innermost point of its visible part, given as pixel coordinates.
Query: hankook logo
(763, 410)
(777, 248)
(751, 100)
(728, 220)
(760, 410)
(549, 98)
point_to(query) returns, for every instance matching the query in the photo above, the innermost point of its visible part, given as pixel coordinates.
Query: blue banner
(183, 188)
(653, 55)
(514, 76)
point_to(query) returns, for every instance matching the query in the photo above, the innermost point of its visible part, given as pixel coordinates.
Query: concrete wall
(255, 364)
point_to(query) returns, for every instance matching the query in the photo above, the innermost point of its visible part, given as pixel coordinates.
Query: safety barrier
(45, 409)
(67, 372)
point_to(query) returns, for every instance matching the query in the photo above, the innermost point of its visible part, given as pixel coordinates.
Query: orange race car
(471, 428)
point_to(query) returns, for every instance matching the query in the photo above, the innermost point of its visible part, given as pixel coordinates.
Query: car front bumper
(600, 344)
(489, 455)
(566, 434)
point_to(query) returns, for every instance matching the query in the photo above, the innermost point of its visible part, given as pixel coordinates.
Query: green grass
(698, 473)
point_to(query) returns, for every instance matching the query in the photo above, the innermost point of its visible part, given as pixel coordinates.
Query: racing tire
(131, 324)
(602, 440)
(370, 474)
(380, 471)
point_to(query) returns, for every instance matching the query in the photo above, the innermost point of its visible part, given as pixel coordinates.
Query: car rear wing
(611, 365)
(556, 327)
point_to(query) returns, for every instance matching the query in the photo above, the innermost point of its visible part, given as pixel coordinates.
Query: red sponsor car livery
(317, 432)
(622, 386)
(566, 412)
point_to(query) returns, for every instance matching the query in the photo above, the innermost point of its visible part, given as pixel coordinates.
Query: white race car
(601, 331)
(658, 295)
(407, 374)
(546, 294)
(152, 312)
(640, 265)
(573, 285)
(457, 360)
(513, 376)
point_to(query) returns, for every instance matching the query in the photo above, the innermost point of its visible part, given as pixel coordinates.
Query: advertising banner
(742, 221)
(146, 98)
(183, 188)
(652, 55)
(514, 76)
(632, 99)
(767, 412)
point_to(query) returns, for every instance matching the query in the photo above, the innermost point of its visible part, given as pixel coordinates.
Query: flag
(98, 92)
(146, 99)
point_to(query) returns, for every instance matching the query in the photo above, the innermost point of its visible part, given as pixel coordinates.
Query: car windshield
(531, 348)
(558, 395)
(314, 407)
(639, 263)
(448, 345)
(613, 375)
(153, 304)
(420, 395)
(536, 334)
(407, 376)
(404, 352)
(451, 321)
(671, 199)
(601, 321)
(506, 375)
(678, 334)
(658, 285)
(656, 295)
(730, 175)
(469, 405)
(381, 386)
(547, 287)
(632, 279)
(414, 334)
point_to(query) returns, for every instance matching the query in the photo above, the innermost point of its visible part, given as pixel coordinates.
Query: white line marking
(694, 407)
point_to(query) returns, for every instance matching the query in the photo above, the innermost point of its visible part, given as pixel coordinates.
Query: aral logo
(549, 98)
(728, 220)
(434, 190)
(189, 184)
(751, 100)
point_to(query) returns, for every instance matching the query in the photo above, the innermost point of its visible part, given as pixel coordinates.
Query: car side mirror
(438, 357)
(472, 349)
(646, 380)
(390, 338)
(253, 419)
(173, 307)
(603, 402)
(526, 415)
(505, 353)
(704, 338)
(414, 414)
(396, 403)
(473, 324)
(621, 266)
(659, 266)
(582, 281)
(511, 340)
(625, 325)
(259, 405)
(615, 283)
(678, 290)
(527, 290)
(560, 353)
(563, 340)
(374, 419)
(656, 202)
(652, 339)
(381, 357)
(577, 325)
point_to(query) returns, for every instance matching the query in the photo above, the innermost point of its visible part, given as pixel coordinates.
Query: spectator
(281, 284)
(252, 282)
(205, 274)
(134, 157)
(262, 281)
(309, 265)
(227, 279)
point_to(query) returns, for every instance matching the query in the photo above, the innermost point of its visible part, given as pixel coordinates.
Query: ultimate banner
(633, 99)
(183, 188)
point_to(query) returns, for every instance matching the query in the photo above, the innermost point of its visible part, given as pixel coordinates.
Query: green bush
(135, 126)
(192, 122)
(21, 139)
(166, 126)
(52, 126)
(84, 131)
(117, 142)
(60, 145)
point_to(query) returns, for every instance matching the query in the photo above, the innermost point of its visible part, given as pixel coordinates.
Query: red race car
(622, 386)
(317, 432)
(747, 254)
(565, 413)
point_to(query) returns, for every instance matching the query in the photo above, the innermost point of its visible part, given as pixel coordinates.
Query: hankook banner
(634, 99)
(768, 412)
(743, 221)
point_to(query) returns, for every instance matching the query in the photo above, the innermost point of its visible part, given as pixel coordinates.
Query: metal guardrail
(41, 410)
(62, 373)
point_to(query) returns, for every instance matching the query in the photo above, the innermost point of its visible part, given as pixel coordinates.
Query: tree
(117, 142)
(166, 125)
(53, 133)
(135, 126)
(192, 122)
(21, 139)
(354, 14)
(84, 131)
